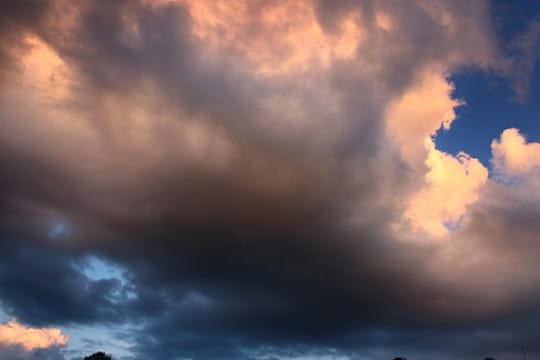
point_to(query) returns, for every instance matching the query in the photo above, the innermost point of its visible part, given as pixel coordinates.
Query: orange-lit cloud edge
(13, 333)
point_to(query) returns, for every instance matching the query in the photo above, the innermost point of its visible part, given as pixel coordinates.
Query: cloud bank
(267, 173)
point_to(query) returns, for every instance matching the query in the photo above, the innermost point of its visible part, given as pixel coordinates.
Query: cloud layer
(266, 172)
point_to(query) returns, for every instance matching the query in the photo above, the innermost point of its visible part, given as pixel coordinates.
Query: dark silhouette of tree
(400, 358)
(98, 356)
(489, 358)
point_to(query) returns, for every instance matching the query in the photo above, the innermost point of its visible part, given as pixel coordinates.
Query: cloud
(261, 170)
(13, 333)
(452, 184)
(62, 292)
(412, 120)
(513, 155)
(281, 47)
(20, 342)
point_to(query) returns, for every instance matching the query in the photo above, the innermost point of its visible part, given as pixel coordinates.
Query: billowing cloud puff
(412, 119)
(20, 342)
(452, 184)
(513, 155)
(13, 333)
(292, 39)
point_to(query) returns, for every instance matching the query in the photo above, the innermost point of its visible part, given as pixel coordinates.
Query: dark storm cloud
(19, 353)
(43, 286)
(251, 211)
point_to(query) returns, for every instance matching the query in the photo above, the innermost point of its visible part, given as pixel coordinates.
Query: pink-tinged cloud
(14, 334)
(447, 184)
(289, 37)
(513, 155)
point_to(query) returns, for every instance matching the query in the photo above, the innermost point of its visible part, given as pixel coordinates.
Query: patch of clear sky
(491, 104)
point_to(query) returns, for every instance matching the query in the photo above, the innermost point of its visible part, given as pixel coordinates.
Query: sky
(269, 180)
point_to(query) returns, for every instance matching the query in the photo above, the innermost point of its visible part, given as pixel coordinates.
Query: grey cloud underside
(19, 353)
(255, 254)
